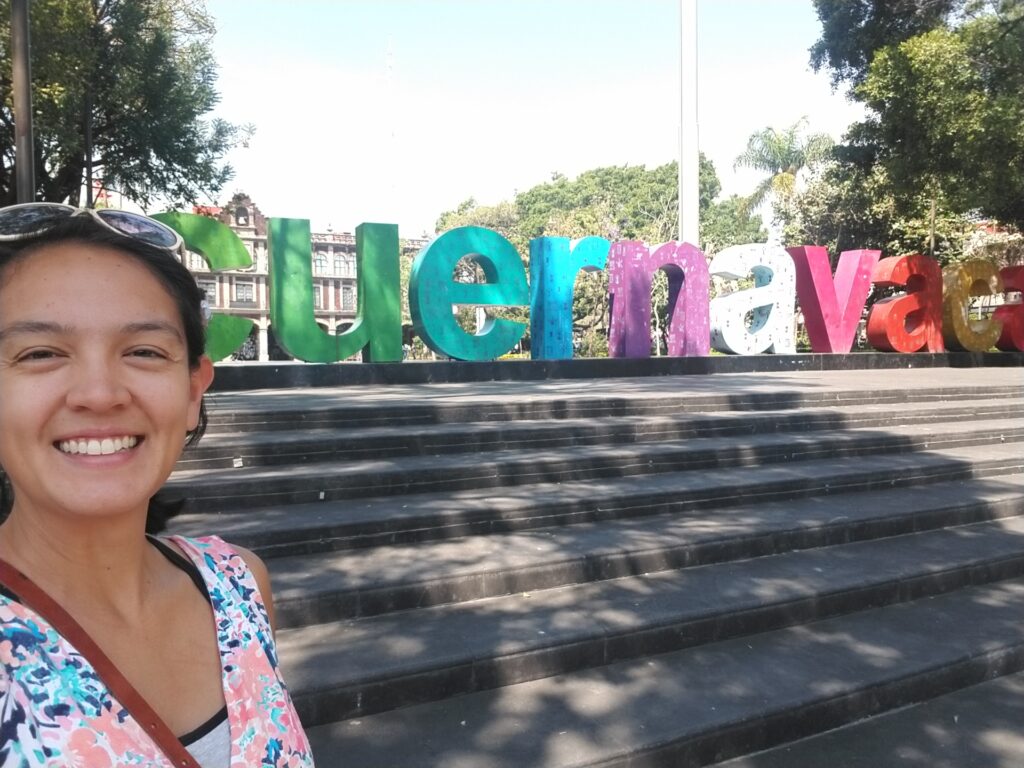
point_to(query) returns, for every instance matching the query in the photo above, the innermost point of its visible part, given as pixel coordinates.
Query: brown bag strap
(44, 605)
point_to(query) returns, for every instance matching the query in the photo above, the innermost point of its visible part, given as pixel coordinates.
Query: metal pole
(24, 157)
(87, 134)
(689, 150)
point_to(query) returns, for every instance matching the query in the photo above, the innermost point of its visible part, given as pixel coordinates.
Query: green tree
(948, 114)
(138, 75)
(943, 81)
(847, 208)
(851, 32)
(782, 155)
(729, 222)
(636, 203)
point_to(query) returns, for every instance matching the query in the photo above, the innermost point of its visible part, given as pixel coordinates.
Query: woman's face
(96, 394)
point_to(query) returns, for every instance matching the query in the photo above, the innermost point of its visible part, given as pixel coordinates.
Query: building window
(339, 265)
(244, 292)
(210, 289)
(259, 251)
(195, 262)
(318, 300)
(348, 298)
(320, 262)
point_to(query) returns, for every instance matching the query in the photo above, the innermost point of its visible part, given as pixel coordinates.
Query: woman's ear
(200, 379)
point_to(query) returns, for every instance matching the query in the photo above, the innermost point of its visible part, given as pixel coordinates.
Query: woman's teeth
(102, 447)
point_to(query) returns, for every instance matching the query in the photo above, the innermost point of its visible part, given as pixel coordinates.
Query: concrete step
(311, 589)
(290, 529)
(976, 727)
(314, 444)
(353, 407)
(252, 487)
(700, 705)
(353, 668)
(407, 375)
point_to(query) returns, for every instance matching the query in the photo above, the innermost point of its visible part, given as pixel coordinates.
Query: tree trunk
(931, 233)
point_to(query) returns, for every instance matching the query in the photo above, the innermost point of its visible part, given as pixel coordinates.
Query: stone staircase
(668, 571)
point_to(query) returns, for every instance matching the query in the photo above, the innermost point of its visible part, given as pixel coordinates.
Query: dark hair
(172, 275)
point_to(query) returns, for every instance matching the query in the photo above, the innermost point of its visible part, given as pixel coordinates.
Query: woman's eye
(153, 354)
(37, 354)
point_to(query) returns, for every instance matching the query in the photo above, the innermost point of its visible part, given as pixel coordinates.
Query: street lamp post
(689, 150)
(24, 158)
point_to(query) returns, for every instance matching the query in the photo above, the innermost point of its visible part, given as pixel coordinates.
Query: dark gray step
(700, 705)
(310, 444)
(303, 528)
(440, 404)
(311, 589)
(353, 668)
(357, 376)
(254, 487)
(976, 727)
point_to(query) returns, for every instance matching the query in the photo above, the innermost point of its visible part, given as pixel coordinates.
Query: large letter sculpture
(1012, 315)
(832, 309)
(222, 249)
(432, 292)
(631, 268)
(959, 283)
(377, 330)
(913, 321)
(771, 303)
(554, 264)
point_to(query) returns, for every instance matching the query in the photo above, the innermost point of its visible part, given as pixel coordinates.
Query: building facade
(246, 292)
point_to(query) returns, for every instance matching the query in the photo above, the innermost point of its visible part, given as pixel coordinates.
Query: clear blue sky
(396, 110)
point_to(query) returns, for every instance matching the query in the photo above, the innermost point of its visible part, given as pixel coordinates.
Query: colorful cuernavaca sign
(930, 311)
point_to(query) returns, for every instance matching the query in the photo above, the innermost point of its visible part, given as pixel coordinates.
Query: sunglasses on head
(26, 219)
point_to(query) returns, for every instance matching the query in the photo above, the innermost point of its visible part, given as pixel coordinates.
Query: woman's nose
(96, 386)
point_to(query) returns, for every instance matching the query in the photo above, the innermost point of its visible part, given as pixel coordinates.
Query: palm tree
(782, 155)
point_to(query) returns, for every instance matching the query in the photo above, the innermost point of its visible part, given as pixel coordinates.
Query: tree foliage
(730, 222)
(847, 208)
(943, 81)
(851, 32)
(141, 76)
(949, 117)
(503, 218)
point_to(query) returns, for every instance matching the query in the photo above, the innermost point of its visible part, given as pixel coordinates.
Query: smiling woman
(117, 647)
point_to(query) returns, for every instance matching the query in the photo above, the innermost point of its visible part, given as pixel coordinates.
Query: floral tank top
(55, 711)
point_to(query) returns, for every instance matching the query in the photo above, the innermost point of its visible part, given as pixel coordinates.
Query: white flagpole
(689, 151)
